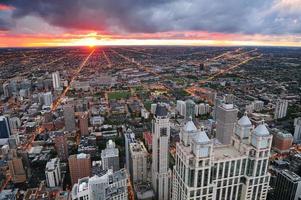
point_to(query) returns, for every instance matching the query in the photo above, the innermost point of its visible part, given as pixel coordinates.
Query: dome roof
(189, 126)
(261, 130)
(244, 121)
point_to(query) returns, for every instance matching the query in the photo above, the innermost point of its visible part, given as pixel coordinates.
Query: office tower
(229, 98)
(14, 123)
(6, 90)
(297, 132)
(258, 105)
(288, 185)
(226, 116)
(56, 80)
(153, 108)
(53, 173)
(138, 162)
(181, 107)
(110, 157)
(17, 170)
(5, 130)
(129, 137)
(79, 166)
(111, 185)
(83, 124)
(190, 109)
(280, 109)
(203, 109)
(47, 98)
(69, 117)
(160, 147)
(208, 170)
(61, 145)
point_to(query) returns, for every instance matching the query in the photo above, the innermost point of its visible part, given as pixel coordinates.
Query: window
(163, 131)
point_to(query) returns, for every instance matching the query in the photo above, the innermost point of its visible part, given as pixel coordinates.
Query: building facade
(138, 162)
(56, 80)
(280, 109)
(238, 171)
(79, 166)
(110, 157)
(69, 117)
(160, 148)
(53, 173)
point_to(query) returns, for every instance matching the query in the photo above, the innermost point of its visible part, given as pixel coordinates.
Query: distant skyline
(157, 22)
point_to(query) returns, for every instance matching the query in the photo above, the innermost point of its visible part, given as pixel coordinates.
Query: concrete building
(83, 124)
(203, 109)
(258, 105)
(282, 141)
(108, 186)
(160, 146)
(280, 109)
(61, 145)
(47, 99)
(297, 132)
(207, 170)
(226, 117)
(288, 186)
(69, 117)
(138, 162)
(129, 137)
(110, 157)
(79, 166)
(190, 109)
(16, 169)
(53, 173)
(181, 107)
(5, 130)
(56, 80)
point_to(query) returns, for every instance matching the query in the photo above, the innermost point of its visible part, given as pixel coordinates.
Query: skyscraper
(110, 157)
(61, 145)
(160, 147)
(205, 170)
(288, 185)
(190, 109)
(138, 162)
(280, 109)
(47, 98)
(69, 117)
(83, 124)
(226, 116)
(5, 130)
(17, 170)
(129, 137)
(53, 172)
(56, 80)
(297, 132)
(79, 166)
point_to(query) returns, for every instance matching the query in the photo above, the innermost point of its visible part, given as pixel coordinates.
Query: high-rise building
(190, 109)
(5, 130)
(111, 185)
(83, 124)
(282, 141)
(56, 80)
(16, 169)
(297, 132)
(61, 145)
(288, 185)
(47, 98)
(79, 166)
(129, 137)
(226, 116)
(181, 107)
(280, 109)
(208, 170)
(14, 123)
(138, 162)
(160, 147)
(53, 173)
(69, 117)
(110, 157)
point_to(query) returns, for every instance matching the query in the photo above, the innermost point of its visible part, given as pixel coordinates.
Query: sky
(26, 23)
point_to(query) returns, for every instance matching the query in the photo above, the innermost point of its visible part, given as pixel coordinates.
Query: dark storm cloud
(147, 16)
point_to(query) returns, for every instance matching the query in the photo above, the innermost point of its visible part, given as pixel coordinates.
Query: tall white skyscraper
(280, 109)
(53, 172)
(138, 162)
(297, 132)
(110, 157)
(160, 146)
(206, 170)
(56, 80)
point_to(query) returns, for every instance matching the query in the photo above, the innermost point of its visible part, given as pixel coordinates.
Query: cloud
(151, 16)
